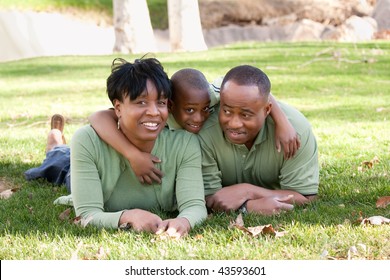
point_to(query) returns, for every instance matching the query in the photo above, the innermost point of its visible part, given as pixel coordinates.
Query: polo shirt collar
(172, 123)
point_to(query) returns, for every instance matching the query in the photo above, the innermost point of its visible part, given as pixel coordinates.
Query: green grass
(347, 103)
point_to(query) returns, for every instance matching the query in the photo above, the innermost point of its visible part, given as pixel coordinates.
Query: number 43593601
(241, 270)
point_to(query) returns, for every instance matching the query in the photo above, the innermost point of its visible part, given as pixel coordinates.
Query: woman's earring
(119, 126)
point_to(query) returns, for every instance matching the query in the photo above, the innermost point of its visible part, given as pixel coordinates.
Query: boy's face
(191, 108)
(142, 119)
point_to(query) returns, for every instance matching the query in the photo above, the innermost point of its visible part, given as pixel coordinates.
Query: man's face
(142, 119)
(191, 108)
(243, 112)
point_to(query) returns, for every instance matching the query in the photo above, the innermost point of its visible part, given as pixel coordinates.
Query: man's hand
(145, 169)
(141, 220)
(270, 205)
(228, 198)
(175, 228)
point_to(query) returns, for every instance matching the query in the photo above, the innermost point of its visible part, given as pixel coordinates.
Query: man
(241, 167)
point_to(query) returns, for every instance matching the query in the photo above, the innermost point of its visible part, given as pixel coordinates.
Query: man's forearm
(256, 192)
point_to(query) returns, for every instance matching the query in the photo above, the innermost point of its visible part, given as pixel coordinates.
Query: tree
(185, 29)
(133, 28)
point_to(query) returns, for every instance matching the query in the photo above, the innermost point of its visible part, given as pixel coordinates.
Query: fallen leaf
(380, 109)
(65, 214)
(81, 221)
(238, 222)
(8, 193)
(375, 160)
(382, 202)
(102, 254)
(368, 164)
(254, 231)
(375, 220)
(351, 252)
(198, 237)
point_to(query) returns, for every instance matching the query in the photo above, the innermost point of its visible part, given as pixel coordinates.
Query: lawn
(343, 89)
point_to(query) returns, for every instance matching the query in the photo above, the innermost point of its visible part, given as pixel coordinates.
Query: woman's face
(142, 119)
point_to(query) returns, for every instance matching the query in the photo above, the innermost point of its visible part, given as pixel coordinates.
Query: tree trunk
(185, 29)
(133, 28)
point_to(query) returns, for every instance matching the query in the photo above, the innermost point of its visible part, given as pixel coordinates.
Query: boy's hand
(287, 137)
(175, 228)
(144, 169)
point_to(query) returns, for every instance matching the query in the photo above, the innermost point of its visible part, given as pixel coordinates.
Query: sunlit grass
(346, 100)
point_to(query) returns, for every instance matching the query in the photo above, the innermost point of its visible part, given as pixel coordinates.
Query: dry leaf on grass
(81, 221)
(102, 253)
(382, 202)
(375, 220)
(254, 231)
(65, 214)
(7, 188)
(368, 164)
(6, 194)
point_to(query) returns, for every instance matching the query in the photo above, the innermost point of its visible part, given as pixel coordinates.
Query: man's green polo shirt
(225, 163)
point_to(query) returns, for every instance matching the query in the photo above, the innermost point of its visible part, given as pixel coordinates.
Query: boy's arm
(285, 133)
(105, 124)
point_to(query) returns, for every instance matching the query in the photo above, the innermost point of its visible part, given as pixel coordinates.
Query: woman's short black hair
(129, 79)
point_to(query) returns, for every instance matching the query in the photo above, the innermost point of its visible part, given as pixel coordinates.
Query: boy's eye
(206, 109)
(190, 110)
(162, 102)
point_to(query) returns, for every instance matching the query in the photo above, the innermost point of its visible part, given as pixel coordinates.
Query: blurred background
(94, 27)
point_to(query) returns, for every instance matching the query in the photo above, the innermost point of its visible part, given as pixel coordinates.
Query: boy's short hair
(189, 77)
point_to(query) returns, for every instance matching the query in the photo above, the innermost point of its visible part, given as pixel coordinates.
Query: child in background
(193, 100)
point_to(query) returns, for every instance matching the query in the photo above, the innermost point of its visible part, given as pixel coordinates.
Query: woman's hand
(175, 228)
(141, 220)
